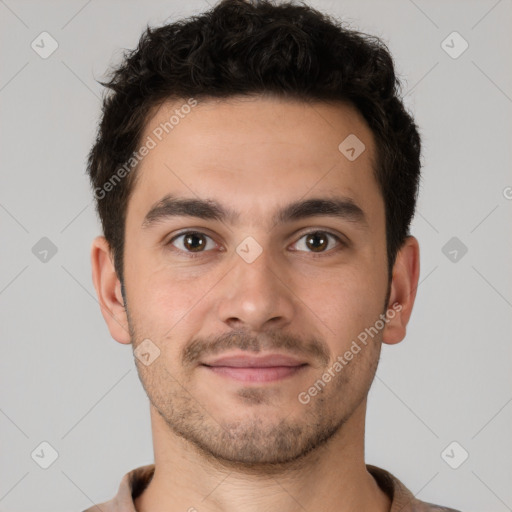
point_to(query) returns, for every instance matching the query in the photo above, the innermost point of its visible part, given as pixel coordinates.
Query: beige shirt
(135, 481)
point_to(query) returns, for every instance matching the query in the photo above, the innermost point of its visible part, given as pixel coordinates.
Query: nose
(256, 296)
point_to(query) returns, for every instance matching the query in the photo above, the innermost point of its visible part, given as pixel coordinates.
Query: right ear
(108, 289)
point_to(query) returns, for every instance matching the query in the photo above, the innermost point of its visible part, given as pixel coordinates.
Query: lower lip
(259, 374)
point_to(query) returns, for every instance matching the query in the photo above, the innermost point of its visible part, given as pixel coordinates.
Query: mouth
(258, 369)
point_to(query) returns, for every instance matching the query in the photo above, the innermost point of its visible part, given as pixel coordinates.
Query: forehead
(255, 153)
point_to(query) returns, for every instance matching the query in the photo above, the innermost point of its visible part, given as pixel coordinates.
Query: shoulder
(132, 484)
(402, 499)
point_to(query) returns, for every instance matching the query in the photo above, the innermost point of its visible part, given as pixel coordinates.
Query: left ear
(404, 284)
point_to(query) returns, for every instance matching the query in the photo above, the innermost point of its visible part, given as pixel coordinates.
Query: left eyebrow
(340, 207)
(170, 206)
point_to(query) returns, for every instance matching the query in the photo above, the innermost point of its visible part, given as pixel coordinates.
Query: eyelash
(201, 253)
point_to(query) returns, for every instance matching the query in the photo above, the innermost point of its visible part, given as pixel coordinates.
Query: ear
(108, 289)
(404, 284)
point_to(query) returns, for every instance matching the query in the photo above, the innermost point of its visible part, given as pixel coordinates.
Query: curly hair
(245, 47)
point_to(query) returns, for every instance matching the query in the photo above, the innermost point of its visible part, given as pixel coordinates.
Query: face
(255, 256)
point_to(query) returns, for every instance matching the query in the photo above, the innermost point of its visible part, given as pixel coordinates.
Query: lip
(258, 369)
(250, 361)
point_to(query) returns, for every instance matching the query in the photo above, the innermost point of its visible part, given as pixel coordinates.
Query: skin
(221, 444)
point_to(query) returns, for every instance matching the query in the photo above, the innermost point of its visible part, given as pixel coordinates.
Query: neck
(332, 477)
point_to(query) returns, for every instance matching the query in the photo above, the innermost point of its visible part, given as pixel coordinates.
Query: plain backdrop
(65, 382)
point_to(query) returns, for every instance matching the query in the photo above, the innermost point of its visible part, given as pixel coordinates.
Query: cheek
(168, 306)
(159, 290)
(349, 301)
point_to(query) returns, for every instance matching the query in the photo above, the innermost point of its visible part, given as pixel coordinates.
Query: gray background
(66, 382)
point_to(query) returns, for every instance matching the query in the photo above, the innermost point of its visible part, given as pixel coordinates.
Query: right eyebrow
(170, 206)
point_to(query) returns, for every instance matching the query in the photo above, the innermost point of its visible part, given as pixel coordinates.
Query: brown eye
(317, 242)
(192, 241)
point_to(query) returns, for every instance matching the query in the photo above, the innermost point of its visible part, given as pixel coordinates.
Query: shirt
(134, 482)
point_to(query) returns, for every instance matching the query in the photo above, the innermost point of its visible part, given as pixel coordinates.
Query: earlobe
(108, 290)
(403, 291)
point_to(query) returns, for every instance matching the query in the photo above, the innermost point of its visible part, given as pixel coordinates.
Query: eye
(317, 241)
(192, 242)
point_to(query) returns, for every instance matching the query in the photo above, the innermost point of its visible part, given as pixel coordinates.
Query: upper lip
(262, 361)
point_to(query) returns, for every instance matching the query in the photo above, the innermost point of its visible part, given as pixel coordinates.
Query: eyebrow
(171, 206)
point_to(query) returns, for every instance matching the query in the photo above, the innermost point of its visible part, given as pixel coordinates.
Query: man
(256, 174)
